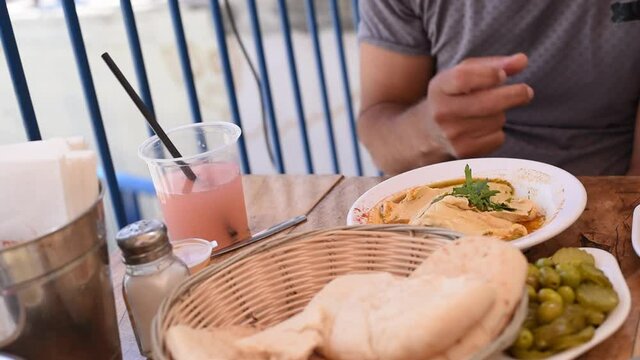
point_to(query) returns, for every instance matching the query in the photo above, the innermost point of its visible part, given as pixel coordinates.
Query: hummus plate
(560, 195)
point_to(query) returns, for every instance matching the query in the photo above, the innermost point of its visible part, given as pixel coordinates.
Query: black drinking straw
(149, 116)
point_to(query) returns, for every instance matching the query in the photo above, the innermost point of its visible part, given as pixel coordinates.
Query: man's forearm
(397, 137)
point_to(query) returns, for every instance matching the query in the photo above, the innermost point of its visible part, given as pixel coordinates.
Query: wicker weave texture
(275, 279)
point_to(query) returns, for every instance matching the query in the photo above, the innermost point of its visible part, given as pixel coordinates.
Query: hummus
(431, 205)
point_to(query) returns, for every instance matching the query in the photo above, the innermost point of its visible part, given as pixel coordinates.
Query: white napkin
(43, 186)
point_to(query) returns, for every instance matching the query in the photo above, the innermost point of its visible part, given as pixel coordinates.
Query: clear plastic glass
(212, 207)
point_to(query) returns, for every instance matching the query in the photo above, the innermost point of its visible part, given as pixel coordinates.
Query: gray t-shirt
(584, 66)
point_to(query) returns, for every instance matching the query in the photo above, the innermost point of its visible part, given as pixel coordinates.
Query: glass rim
(236, 132)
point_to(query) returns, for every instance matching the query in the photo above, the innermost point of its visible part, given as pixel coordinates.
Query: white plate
(635, 230)
(561, 196)
(609, 265)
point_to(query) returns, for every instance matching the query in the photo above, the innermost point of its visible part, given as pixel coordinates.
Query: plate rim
(571, 183)
(635, 230)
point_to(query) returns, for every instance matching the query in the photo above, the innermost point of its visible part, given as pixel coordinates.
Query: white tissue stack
(43, 186)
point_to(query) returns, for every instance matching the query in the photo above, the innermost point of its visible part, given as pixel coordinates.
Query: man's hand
(411, 118)
(465, 105)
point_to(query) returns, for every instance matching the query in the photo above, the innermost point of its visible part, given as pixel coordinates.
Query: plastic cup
(212, 207)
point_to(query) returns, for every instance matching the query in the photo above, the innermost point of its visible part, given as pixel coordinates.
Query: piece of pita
(498, 264)
(392, 318)
(186, 343)
(292, 339)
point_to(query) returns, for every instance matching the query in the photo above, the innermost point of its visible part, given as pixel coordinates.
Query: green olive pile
(569, 297)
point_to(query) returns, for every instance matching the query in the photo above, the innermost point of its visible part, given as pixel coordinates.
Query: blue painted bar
(135, 184)
(295, 84)
(136, 54)
(355, 12)
(80, 54)
(132, 206)
(185, 62)
(344, 72)
(228, 80)
(266, 87)
(18, 78)
(317, 51)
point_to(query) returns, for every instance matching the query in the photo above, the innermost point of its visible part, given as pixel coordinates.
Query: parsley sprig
(477, 192)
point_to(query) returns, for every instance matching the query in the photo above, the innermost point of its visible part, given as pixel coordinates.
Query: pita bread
(497, 263)
(292, 339)
(423, 316)
(344, 300)
(186, 343)
(381, 316)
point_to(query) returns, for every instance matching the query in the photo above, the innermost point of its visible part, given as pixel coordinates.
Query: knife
(262, 234)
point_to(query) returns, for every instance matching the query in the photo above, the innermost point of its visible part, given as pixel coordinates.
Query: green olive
(569, 274)
(546, 294)
(544, 262)
(548, 311)
(567, 294)
(530, 321)
(597, 297)
(544, 335)
(532, 293)
(533, 275)
(549, 277)
(524, 340)
(595, 317)
(532, 270)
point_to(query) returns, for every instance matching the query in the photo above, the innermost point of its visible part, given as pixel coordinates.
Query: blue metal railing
(124, 188)
(17, 75)
(136, 55)
(80, 54)
(185, 61)
(228, 80)
(312, 23)
(295, 84)
(265, 85)
(335, 12)
(355, 12)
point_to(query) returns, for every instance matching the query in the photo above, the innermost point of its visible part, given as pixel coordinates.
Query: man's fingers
(510, 64)
(474, 127)
(492, 101)
(486, 125)
(474, 147)
(464, 79)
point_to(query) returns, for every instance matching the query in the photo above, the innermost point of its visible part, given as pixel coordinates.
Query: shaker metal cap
(143, 241)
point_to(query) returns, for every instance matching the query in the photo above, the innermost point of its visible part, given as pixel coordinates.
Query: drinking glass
(212, 207)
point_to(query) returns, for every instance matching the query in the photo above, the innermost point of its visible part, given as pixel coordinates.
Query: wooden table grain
(605, 224)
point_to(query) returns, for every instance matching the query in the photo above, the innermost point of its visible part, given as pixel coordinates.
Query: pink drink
(211, 208)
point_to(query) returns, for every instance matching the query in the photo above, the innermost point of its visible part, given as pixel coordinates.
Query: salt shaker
(152, 272)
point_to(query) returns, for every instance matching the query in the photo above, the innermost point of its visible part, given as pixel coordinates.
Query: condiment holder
(195, 253)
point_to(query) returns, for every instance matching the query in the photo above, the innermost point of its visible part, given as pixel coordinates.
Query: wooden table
(605, 224)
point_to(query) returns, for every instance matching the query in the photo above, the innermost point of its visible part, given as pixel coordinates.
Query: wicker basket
(274, 280)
